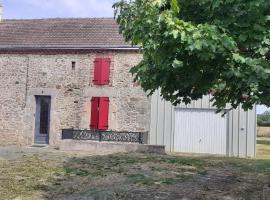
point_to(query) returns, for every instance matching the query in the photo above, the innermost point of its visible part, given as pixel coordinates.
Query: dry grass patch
(22, 178)
(132, 176)
(263, 131)
(263, 148)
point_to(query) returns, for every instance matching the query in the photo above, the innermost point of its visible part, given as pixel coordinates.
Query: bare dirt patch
(61, 176)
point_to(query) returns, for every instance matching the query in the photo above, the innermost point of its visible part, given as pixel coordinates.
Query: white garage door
(200, 131)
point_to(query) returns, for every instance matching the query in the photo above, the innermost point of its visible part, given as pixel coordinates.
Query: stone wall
(23, 76)
(109, 147)
(12, 97)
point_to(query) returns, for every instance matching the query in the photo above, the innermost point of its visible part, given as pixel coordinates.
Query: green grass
(23, 177)
(263, 148)
(143, 179)
(133, 176)
(266, 142)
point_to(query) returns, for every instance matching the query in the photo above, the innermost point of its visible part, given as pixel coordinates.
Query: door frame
(39, 138)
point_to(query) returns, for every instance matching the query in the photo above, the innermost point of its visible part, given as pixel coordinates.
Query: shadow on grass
(145, 176)
(116, 176)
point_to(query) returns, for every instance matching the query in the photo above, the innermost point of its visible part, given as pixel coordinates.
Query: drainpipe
(26, 81)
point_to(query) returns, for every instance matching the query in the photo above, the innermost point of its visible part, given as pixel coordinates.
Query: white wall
(241, 140)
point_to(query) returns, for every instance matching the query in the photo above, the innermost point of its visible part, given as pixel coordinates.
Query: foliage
(264, 119)
(195, 47)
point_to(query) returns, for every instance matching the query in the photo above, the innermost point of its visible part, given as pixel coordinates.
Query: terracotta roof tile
(61, 33)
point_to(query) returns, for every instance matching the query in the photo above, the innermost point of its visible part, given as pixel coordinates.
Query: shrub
(264, 119)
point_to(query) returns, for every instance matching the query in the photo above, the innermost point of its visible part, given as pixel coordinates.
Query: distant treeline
(264, 119)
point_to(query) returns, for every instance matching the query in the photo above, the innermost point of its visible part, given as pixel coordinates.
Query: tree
(195, 47)
(264, 119)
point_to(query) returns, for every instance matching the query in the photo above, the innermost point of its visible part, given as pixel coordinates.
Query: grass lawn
(132, 176)
(263, 148)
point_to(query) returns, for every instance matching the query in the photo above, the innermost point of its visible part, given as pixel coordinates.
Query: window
(102, 71)
(99, 113)
(73, 65)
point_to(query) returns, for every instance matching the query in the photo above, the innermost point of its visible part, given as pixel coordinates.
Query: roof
(79, 33)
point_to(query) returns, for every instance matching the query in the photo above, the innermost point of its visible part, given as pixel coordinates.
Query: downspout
(26, 80)
(26, 90)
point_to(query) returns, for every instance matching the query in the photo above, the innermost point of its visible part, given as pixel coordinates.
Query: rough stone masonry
(25, 75)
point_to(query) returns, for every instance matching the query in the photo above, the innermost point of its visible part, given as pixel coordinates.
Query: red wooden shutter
(102, 71)
(94, 113)
(105, 75)
(97, 71)
(103, 113)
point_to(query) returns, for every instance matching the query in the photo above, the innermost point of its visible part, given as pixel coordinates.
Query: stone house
(66, 73)
(60, 74)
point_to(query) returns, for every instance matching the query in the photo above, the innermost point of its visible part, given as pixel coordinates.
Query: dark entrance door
(42, 127)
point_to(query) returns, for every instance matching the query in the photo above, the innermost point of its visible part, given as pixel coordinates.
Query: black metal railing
(109, 136)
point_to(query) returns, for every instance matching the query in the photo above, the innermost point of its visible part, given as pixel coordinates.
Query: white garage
(200, 131)
(196, 128)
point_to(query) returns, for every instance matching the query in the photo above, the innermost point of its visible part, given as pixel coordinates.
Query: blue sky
(28, 9)
(261, 109)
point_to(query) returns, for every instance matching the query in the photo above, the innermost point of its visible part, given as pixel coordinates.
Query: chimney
(1, 10)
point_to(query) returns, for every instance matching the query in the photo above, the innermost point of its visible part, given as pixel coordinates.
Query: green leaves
(175, 6)
(177, 63)
(239, 59)
(220, 46)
